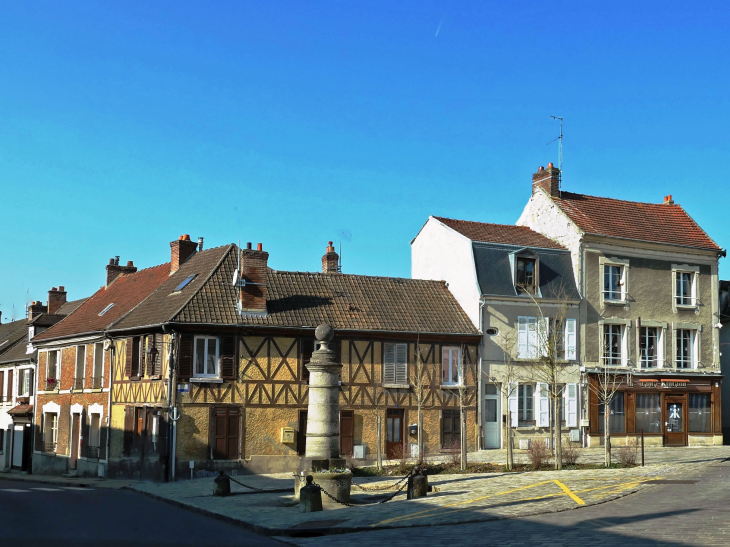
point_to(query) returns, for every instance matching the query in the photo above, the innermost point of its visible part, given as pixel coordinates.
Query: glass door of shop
(675, 426)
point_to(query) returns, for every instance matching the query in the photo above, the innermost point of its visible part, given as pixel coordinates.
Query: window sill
(396, 386)
(452, 386)
(206, 380)
(686, 307)
(615, 302)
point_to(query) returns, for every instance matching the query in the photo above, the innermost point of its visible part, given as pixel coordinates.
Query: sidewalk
(66, 481)
(456, 499)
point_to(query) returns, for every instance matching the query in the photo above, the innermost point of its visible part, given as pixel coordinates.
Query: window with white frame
(526, 274)
(525, 403)
(650, 347)
(686, 348)
(206, 357)
(25, 382)
(80, 367)
(53, 369)
(526, 337)
(613, 345)
(614, 282)
(50, 431)
(395, 363)
(450, 366)
(684, 289)
(98, 365)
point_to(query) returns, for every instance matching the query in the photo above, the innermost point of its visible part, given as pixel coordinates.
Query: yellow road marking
(567, 490)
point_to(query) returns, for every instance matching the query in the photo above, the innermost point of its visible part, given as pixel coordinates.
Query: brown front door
(675, 422)
(75, 434)
(394, 434)
(302, 433)
(226, 421)
(347, 429)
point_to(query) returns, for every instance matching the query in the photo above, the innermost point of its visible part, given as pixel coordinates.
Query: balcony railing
(79, 383)
(49, 446)
(96, 382)
(92, 452)
(51, 384)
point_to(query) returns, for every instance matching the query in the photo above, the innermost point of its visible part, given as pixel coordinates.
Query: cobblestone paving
(660, 515)
(458, 499)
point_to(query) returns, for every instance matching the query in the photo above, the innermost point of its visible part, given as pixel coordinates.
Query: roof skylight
(185, 283)
(102, 312)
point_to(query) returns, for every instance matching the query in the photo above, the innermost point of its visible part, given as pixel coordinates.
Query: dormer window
(525, 271)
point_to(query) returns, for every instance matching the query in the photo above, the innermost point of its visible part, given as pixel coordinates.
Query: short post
(222, 485)
(417, 484)
(642, 447)
(310, 497)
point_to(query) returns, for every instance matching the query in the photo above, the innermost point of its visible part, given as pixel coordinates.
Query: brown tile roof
(500, 233)
(21, 410)
(652, 222)
(126, 292)
(11, 333)
(16, 352)
(71, 306)
(297, 299)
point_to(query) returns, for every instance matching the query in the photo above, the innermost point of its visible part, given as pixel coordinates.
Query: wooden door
(347, 430)
(75, 437)
(226, 422)
(675, 421)
(302, 433)
(394, 434)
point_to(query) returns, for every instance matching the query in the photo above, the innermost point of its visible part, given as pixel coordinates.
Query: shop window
(617, 416)
(700, 416)
(648, 413)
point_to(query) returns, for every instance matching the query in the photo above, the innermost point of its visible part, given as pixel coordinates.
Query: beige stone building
(650, 315)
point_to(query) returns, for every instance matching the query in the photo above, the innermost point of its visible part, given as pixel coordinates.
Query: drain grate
(670, 481)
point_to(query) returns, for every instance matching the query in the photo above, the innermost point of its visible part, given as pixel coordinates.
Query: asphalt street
(36, 514)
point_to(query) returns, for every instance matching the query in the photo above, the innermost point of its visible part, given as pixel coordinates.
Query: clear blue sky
(126, 124)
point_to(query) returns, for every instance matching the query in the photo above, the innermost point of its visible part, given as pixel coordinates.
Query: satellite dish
(235, 277)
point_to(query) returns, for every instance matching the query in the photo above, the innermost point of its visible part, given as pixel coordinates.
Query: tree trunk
(463, 440)
(510, 458)
(552, 429)
(421, 455)
(379, 422)
(558, 434)
(607, 436)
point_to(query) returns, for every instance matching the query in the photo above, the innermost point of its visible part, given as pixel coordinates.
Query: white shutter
(389, 364)
(522, 337)
(543, 406)
(401, 363)
(570, 339)
(512, 403)
(531, 337)
(571, 405)
(543, 337)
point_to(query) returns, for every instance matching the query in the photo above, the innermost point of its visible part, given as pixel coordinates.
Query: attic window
(102, 312)
(525, 274)
(184, 283)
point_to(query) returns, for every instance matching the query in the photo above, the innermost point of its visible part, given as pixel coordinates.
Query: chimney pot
(330, 260)
(56, 299)
(248, 246)
(200, 244)
(61, 288)
(180, 251)
(541, 168)
(547, 179)
(130, 264)
(550, 165)
(259, 247)
(111, 262)
(116, 260)
(185, 237)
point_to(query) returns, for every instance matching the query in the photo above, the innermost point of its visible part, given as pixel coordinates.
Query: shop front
(671, 411)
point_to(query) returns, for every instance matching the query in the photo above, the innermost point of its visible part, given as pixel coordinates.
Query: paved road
(661, 515)
(36, 514)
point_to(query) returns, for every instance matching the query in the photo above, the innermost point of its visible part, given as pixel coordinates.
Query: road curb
(40, 480)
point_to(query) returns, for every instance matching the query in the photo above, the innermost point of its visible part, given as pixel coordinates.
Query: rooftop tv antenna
(560, 146)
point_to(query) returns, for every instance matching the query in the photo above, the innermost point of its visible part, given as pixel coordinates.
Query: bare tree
(421, 390)
(548, 365)
(466, 373)
(605, 383)
(510, 374)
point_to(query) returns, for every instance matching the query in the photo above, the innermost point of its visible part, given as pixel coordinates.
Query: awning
(21, 410)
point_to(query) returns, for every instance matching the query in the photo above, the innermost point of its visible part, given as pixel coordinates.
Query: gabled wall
(442, 254)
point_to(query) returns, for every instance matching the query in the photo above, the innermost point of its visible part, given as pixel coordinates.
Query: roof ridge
(488, 224)
(624, 200)
(410, 279)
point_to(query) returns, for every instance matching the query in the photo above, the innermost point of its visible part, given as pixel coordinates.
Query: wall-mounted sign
(663, 383)
(183, 388)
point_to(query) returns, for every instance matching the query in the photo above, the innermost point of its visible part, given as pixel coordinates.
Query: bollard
(222, 485)
(310, 497)
(417, 484)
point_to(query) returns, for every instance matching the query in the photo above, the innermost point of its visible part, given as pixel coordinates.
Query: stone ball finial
(324, 333)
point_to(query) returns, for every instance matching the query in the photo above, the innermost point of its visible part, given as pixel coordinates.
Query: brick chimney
(180, 251)
(253, 279)
(547, 179)
(35, 309)
(668, 200)
(56, 299)
(330, 261)
(113, 269)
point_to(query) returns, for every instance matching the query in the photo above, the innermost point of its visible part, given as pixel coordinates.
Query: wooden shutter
(128, 429)
(157, 368)
(401, 368)
(232, 434)
(512, 403)
(570, 339)
(571, 405)
(446, 429)
(2, 394)
(185, 357)
(128, 358)
(389, 363)
(228, 357)
(346, 432)
(543, 406)
(31, 382)
(10, 386)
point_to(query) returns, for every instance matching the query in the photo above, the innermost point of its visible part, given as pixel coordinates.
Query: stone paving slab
(458, 498)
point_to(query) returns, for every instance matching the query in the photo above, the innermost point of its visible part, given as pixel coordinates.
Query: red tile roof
(653, 222)
(500, 233)
(126, 292)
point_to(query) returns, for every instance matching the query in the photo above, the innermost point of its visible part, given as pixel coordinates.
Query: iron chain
(247, 486)
(394, 494)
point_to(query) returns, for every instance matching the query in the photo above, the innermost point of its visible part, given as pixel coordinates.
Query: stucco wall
(440, 253)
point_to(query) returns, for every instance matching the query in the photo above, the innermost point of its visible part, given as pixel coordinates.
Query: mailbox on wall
(413, 429)
(287, 435)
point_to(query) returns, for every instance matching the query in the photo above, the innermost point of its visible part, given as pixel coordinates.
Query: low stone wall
(49, 464)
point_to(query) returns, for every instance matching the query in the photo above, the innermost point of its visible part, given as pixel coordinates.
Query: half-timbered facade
(239, 336)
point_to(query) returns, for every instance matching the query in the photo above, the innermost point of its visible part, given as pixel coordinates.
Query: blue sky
(124, 125)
